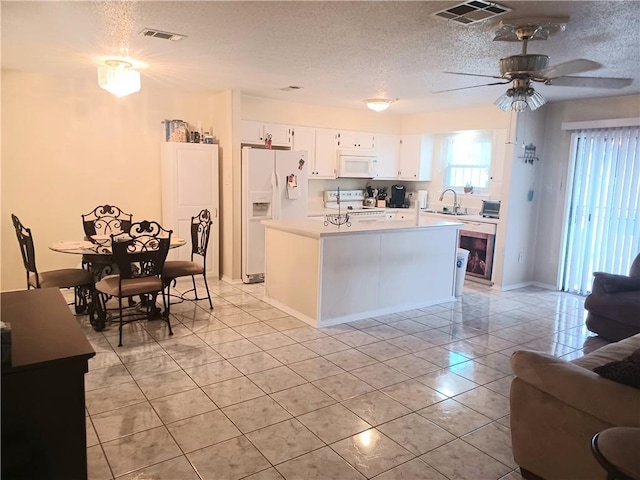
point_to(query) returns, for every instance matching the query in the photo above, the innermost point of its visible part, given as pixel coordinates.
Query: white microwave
(356, 163)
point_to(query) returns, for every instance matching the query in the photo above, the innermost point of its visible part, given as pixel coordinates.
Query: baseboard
(548, 286)
(513, 286)
(236, 281)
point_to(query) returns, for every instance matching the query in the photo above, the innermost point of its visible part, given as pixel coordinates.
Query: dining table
(98, 259)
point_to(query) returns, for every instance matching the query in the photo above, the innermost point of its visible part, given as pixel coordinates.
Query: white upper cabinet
(304, 138)
(258, 132)
(387, 153)
(416, 152)
(357, 140)
(325, 154)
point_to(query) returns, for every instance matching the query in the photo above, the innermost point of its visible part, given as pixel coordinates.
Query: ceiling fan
(525, 68)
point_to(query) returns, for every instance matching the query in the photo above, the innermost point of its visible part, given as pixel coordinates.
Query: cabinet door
(347, 139)
(387, 152)
(189, 184)
(280, 134)
(251, 132)
(304, 138)
(416, 152)
(325, 165)
(408, 164)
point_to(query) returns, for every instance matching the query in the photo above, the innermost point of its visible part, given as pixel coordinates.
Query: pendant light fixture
(118, 77)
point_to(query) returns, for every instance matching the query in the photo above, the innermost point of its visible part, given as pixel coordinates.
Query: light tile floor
(245, 391)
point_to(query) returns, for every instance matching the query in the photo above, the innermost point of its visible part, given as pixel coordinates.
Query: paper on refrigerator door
(293, 192)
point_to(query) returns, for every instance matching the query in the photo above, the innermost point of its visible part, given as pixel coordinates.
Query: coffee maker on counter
(398, 197)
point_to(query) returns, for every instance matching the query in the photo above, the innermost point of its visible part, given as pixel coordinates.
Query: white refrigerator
(274, 186)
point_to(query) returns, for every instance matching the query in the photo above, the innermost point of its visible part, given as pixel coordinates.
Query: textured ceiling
(340, 52)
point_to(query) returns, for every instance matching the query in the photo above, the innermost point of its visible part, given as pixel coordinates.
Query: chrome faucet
(456, 205)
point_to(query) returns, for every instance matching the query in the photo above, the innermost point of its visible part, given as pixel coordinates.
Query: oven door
(480, 246)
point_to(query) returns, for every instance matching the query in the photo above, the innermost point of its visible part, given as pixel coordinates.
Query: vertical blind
(603, 225)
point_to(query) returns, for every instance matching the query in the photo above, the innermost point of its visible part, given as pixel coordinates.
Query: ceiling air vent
(290, 88)
(472, 12)
(174, 37)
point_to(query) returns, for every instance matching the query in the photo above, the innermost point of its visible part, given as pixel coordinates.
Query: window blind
(603, 223)
(467, 159)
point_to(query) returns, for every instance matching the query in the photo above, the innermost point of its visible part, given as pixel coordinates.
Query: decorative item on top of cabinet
(416, 152)
(356, 140)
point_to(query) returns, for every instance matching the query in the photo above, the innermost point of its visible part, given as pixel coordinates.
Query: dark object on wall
(614, 304)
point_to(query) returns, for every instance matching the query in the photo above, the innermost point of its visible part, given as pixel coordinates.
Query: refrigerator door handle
(276, 195)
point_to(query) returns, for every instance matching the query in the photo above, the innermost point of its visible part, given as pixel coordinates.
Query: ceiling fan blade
(590, 82)
(473, 74)
(473, 86)
(567, 68)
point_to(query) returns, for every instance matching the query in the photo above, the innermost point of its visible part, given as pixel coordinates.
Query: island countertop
(315, 227)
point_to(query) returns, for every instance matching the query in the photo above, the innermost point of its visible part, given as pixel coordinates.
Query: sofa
(557, 406)
(614, 304)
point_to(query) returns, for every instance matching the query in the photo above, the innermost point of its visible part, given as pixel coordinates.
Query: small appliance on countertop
(423, 197)
(398, 197)
(490, 208)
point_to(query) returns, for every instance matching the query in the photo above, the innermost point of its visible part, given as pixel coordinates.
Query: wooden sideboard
(43, 410)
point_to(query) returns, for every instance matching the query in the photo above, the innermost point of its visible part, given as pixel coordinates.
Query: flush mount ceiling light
(378, 104)
(118, 77)
(520, 97)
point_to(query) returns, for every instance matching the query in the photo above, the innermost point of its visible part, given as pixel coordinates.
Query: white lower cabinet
(402, 215)
(416, 152)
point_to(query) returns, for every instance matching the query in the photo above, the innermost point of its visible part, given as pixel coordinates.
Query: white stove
(351, 202)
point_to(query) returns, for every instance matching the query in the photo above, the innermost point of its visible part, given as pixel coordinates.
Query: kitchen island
(325, 275)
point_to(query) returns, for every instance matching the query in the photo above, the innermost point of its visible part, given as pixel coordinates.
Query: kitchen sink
(441, 212)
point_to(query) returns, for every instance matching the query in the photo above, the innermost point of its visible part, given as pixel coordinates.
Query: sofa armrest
(579, 387)
(612, 283)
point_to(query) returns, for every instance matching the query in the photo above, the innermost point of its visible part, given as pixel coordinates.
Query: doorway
(603, 216)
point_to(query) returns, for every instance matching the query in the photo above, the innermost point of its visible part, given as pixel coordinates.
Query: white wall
(481, 118)
(68, 146)
(554, 166)
(515, 238)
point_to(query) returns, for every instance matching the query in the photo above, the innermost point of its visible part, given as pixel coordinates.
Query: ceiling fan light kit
(378, 104)
(525, 68)
(118, 77)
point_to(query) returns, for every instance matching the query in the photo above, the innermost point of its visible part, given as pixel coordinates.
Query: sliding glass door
(603, 223)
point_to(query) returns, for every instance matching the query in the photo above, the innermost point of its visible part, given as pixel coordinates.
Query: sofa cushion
(612, 283)
(623, 307)
(626, 371)
(609, 353)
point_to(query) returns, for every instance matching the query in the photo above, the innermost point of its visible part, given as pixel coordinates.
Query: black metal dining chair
(200, 231)
(139, 254)
(105, 220)
(77, 278)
